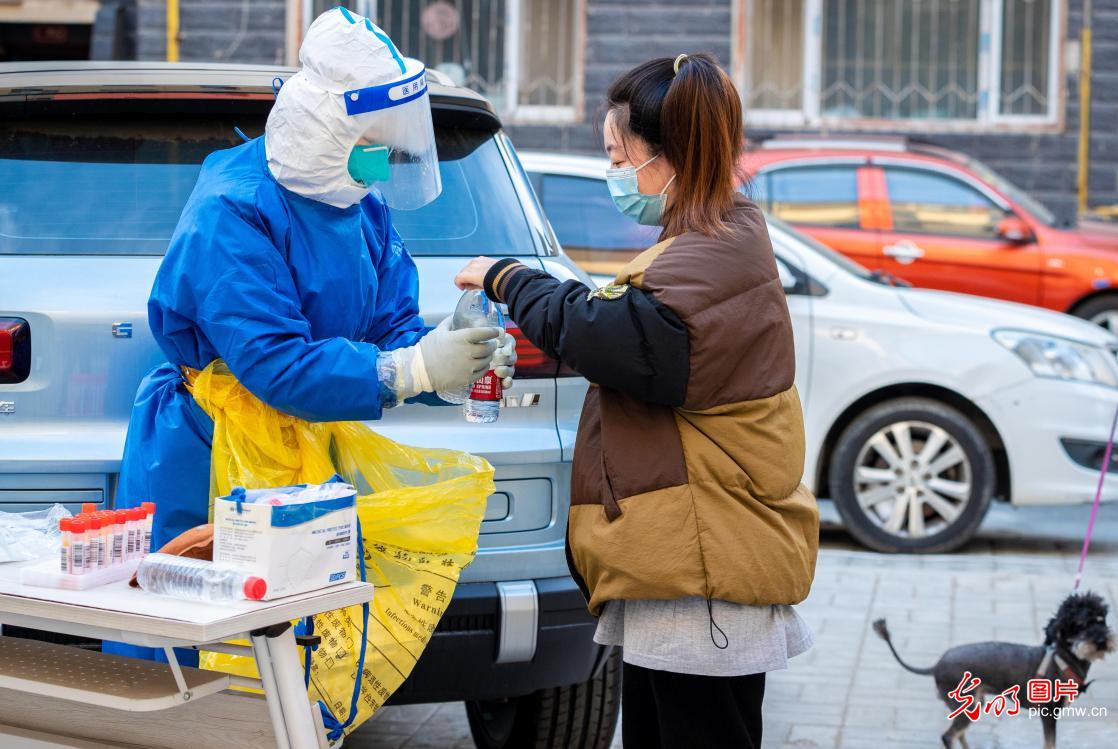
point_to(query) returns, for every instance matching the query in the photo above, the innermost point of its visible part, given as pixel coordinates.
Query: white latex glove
(444, 359)
(504, 360)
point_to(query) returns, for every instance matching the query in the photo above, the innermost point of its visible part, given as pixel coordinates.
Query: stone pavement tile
(1015, 585)
(814, 711)
(781, 691)
(881, 716)
(930, 720)
(938, 614)
(434, 739)
(372, 736)
(869, 738)
(406, 716)
(975, 606)
(881, 680)
(842, 633)
(913, 699)
(925, 640)
(1023, 635)
(1104, 686)
(820, 692)
(830, 663)
(845, 616)
(972, 631)
(774, 733)
(412, 727)
(1011, 608)
(807, 736)
(830, 654)
(921, 635)
(896, 591)
(909, 698)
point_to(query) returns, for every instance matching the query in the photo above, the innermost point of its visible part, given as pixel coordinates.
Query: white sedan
(921, 406)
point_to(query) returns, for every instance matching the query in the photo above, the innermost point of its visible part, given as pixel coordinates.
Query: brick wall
(248, 31)
(621, 34)
(1104, 101)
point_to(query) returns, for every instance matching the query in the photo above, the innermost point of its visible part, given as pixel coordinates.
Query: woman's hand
(473, 275)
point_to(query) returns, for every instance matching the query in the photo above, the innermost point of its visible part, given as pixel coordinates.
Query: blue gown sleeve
(396, 321)
(248, 308)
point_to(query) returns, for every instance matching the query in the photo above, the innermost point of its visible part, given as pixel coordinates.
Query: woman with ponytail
(690, 531)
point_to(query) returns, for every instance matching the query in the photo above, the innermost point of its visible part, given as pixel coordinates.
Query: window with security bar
(523, 55)
(911, 64)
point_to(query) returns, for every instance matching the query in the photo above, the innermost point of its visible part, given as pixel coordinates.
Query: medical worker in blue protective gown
(286, 265)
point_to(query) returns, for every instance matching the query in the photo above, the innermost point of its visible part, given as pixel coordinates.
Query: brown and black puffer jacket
(690, 450)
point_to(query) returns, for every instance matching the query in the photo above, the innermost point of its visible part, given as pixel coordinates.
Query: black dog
(1074, 638)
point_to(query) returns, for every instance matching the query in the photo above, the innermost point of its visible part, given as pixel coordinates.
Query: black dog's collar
(1071, 666)
(1067, 664)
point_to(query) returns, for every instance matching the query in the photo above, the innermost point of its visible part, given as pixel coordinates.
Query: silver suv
(96, 162)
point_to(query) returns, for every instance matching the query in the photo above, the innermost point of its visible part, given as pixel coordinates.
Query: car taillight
(7, 350)
(532, 362)
(15, 350)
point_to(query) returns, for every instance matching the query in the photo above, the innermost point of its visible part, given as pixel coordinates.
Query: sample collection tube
(149, 517)
(66, 545)
(81, 554)
(120, 518)
(95, 542)
(97, 539)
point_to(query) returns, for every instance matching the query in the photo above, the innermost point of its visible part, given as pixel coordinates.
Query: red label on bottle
(488, 388)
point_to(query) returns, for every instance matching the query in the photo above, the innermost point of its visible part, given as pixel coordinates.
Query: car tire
(912, 475)
(1101, 310)
(581, 716)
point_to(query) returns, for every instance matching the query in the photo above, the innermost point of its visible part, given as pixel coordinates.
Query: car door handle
(904, 251)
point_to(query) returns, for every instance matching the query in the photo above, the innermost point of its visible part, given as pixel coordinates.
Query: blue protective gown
(297, 297)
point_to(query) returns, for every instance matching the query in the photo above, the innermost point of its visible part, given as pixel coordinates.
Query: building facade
(997, 79)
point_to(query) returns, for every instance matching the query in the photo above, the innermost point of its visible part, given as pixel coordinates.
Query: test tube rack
(47, 575)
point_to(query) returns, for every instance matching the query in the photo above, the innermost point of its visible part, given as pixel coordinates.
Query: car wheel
(1102, 310)
(581, 716)
(912, 475)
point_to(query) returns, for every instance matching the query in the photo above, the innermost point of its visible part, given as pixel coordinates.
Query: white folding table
(128, 686)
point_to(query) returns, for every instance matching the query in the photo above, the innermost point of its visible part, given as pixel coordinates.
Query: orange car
(939, 219)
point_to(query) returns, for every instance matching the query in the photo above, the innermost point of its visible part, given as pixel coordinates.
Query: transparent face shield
(397, 152)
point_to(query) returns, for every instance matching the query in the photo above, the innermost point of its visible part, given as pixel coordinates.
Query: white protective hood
(309, 136)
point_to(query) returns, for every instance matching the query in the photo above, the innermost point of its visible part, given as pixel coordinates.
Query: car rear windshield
(97, 182)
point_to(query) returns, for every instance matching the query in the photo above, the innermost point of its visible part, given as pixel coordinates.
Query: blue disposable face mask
(647, 210)
(369, 164)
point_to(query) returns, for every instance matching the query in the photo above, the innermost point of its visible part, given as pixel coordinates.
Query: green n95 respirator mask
(369, 164)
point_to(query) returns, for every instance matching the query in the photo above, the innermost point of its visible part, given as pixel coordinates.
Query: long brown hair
(694, 119)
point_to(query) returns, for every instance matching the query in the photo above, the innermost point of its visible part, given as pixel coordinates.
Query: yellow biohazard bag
(419, 512)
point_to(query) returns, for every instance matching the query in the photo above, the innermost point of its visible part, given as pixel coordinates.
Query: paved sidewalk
(848, 692)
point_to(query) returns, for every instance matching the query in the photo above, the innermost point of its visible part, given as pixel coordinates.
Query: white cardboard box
(296, 547)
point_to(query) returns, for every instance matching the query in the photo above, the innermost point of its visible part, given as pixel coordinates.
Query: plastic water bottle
(483, 405)
(469, 313)
(197, 580)
(481, 402)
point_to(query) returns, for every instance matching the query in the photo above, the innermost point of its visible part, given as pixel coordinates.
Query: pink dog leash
(1095, 506)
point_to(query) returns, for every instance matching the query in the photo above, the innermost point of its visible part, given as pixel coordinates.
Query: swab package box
(298, 538)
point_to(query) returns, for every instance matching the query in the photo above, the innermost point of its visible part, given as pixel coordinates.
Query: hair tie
(678, 61)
